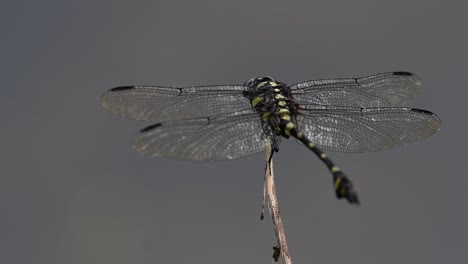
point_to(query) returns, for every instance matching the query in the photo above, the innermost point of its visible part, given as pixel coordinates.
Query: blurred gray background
(72, 189)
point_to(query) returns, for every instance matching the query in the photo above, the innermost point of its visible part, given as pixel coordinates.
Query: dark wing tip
(107, 100)
(148, 128)
(422, 111)
(428, 113)
(402, 73)
(425, 112)
(122, 88)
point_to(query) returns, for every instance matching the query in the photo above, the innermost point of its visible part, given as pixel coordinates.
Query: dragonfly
(224, 122)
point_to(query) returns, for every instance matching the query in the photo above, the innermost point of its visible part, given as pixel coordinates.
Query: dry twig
(269, 189)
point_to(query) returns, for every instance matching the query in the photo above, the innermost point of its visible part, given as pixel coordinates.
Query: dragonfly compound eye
(259, 81)
(251, 82)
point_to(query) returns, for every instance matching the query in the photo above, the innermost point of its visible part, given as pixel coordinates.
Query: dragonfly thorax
(274, 103)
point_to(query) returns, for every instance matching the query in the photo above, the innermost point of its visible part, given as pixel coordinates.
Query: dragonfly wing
(366, 129)
(380, 90)
(170, 103)
(204, 139)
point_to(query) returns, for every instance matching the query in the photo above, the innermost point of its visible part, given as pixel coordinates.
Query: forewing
(162, 104)
(366, 129)
(380, 90)
(204, 139)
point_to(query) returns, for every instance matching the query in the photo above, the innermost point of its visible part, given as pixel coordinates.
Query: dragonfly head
(259, 81)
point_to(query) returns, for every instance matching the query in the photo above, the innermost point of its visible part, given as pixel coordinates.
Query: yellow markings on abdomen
(273, 84)
(287, 129)
(323, 156)
(282, 103)
(335, 169)
(283, 111)
(311, 145)
(337, 182)
(279, 96)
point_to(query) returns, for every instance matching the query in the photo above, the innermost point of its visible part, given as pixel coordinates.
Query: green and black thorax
(275, 104)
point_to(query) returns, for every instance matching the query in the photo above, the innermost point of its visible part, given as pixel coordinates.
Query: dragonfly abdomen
(341, 183)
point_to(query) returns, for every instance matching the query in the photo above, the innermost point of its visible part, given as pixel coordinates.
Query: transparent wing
(366, 129)
(380, 90)
(165, 103)
(204, 139)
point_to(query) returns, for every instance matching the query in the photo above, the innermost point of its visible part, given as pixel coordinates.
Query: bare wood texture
(282, 249)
